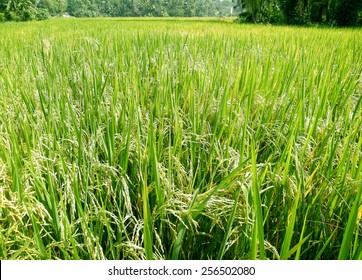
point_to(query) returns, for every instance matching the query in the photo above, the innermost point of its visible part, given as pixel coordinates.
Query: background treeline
(299, 12)
(333, 12)
(38, 9)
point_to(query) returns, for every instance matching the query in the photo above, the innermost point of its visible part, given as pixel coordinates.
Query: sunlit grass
(179, 139)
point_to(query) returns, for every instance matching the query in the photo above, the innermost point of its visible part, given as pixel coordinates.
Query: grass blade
(351, 225)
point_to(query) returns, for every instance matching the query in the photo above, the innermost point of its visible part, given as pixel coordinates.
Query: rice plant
(179, 139)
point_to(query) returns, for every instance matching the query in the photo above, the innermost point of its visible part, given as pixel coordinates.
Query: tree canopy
(333, 12)
(14, 9)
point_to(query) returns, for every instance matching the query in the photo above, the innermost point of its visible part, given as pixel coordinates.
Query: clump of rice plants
(185, 139)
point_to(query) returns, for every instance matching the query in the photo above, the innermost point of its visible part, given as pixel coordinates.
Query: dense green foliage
(29, 9)
(297, 12)
(335, 12)
(179, 139)
(20, 10)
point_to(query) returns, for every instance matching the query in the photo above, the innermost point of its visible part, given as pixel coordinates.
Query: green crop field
(179, 139)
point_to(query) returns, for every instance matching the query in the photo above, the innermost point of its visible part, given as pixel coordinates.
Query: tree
(340, 12)
(250, 9)
(318, 10)
(19, 9)
(83, 8)
(294, 11)
(54, 7)
(264, 11)
(346, 12)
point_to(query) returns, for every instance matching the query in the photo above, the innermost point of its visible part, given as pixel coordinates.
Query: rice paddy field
(179, 139)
